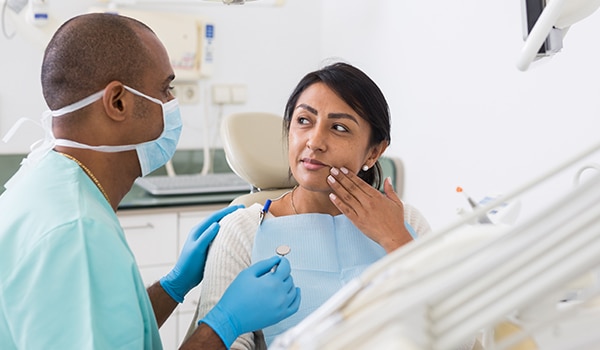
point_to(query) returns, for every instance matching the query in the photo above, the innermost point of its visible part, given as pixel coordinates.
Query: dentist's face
(325, 132)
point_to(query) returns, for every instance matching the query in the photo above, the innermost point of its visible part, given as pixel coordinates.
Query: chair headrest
(256, 150)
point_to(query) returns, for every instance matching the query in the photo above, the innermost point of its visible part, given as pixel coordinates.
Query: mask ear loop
(37, 150)
(46, 122)
(39, 147)
(78, 105)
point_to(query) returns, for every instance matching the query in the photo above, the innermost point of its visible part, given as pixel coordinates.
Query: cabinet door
(152, 238)
(185, 312)
(156, 239)
(169, 330)
(187, 221)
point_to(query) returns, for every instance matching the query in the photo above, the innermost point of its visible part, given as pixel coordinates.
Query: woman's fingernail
(330, 179)
(344, 170)
(334, 171)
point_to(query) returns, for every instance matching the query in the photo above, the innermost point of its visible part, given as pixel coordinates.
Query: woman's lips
(313, 164)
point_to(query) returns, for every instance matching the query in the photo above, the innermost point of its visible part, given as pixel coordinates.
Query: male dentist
(68, 279)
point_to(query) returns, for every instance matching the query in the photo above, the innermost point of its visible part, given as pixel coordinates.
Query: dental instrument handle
(472, 202)
(483, 219)
(264, 210)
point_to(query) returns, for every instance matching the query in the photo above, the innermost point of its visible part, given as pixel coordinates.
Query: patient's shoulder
(236, 236)
(241, 224)
(244, 216)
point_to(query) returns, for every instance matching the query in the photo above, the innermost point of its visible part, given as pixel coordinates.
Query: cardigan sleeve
(416, 220)
(229, 254)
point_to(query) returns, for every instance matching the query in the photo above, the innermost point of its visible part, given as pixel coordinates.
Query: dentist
(68, 279)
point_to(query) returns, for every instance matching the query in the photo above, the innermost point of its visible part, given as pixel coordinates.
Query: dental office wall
(267, 48)
(463, 115)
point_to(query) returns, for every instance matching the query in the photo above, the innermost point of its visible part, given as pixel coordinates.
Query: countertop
(184, 162)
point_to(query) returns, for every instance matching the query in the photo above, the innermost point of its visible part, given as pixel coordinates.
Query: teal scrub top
(68, 279)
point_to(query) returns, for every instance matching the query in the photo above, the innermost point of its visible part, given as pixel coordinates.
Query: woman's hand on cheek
(379, 216)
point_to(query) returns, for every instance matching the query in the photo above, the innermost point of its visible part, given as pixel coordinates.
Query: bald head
(89, 51)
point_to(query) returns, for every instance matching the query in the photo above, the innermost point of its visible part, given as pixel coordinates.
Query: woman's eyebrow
(342, 116)
(331, 115)
(308, 108)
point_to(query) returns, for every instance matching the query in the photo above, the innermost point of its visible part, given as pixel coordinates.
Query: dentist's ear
(116, 101)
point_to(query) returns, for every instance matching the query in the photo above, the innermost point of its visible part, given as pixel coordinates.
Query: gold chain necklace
(88, 172)
(292, 200)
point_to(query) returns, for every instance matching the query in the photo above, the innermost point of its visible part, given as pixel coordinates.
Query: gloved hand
(256, 298)
(189, 269)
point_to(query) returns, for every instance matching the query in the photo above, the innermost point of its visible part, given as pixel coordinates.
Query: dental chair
(256, 150)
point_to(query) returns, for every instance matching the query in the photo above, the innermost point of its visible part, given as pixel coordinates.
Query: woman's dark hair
(361, 93)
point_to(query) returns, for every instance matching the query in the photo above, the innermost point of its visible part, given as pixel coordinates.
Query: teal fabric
(68, 279)
(326, 253)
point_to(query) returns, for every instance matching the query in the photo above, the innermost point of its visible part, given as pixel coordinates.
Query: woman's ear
(376, 152)
(117, 103)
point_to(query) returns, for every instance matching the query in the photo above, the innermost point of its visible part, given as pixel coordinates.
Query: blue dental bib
(326, 253)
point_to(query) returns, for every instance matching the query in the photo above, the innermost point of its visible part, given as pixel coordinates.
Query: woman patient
(335, 221)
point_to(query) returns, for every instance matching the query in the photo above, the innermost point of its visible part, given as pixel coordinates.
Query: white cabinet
(151, 237)
(156, 236)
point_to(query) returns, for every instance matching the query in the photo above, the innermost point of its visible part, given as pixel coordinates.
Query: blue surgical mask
(151, 154)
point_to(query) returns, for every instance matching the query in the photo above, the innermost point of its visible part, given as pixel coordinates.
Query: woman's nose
(317, 140)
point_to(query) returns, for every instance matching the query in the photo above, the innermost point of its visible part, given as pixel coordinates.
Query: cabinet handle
(139, 227)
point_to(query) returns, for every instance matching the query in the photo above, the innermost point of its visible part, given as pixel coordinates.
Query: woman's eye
(302, 120)
(341, 128)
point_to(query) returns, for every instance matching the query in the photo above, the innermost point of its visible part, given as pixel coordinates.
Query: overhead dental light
(242, 2)
(546, 23)
(235, 2)
(196, 2)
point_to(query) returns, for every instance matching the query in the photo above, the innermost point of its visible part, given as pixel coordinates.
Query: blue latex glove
(256, 298)
(189, 269)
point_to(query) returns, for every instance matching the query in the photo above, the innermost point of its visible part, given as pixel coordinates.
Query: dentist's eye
(169, 91)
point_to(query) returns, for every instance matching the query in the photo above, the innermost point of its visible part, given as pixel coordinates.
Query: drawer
(152, 238)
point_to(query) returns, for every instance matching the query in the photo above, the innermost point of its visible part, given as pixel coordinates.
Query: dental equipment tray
(164, 185)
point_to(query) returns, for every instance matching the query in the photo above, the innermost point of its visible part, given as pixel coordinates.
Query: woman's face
(325, 132)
